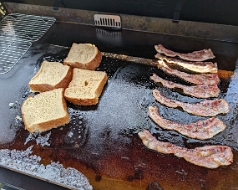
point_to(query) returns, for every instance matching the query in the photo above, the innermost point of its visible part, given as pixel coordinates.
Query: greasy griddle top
(101, 141)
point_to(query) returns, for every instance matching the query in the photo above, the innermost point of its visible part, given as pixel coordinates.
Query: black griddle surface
(101, 141)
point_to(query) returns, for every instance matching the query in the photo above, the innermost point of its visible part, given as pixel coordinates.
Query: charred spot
(106, 133)
(138, 175)
(154, 185)
(130, 178)
(98, 178)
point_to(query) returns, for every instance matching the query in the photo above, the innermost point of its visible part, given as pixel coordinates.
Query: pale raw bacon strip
(206, 78)
(207, 156)
(203, 108)
(200, 55)
(202, 129)
(197, 67)
(199, 91)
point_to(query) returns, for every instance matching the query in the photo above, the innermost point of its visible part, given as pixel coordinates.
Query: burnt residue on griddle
(154, 185)
(138, 175)
(98, 178)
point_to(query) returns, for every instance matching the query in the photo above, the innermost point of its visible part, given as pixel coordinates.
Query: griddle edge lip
(191, 29)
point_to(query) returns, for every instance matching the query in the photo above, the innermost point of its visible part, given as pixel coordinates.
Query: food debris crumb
(70, 134)
(11, 104)
(18, 118)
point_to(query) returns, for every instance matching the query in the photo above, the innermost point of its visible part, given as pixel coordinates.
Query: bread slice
(86, 87)
(45, 111)
(83, 56)
(51, 75)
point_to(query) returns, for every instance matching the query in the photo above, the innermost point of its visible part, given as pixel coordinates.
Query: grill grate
(11, 51)
(26, 26)
(17, 32)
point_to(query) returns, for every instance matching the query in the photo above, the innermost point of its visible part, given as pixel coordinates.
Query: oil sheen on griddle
(102, 142)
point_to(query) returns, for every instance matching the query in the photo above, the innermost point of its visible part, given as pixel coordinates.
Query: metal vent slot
(111, 21)
(17, 32)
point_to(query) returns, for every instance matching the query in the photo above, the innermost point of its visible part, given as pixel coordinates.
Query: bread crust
(47, 125)
(82, 102)
(100, 88)
(92, 65)
(46, 87)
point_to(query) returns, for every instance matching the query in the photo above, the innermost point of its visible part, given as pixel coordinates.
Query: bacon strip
(206, 78)
(197, 67)
(206, 156)
(199, 91)
(200, 55)
(202, 129)
(203, 108)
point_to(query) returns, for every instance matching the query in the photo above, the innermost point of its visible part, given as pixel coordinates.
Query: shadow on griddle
(58, 57)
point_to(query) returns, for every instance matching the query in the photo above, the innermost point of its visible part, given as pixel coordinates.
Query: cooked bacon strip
(197, 67)
(206, 78)
(200, 55)
(203, 108)
(199, 91)
(202, 129)
(206, 156)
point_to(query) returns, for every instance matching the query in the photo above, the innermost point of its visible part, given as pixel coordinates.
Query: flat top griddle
(101, 141)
